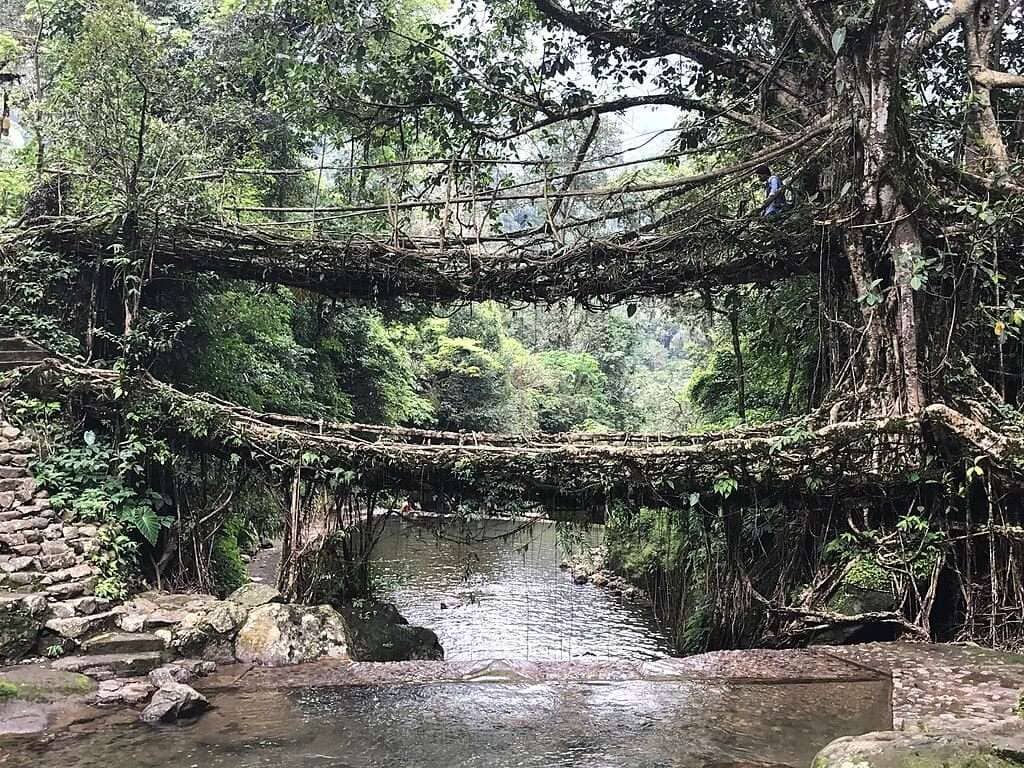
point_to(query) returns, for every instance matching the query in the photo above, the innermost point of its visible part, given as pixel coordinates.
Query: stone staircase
(39, 552)
(16, 351)
(47, 605)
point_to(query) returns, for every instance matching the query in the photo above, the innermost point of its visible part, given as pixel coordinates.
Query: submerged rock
(277, 634)
(173, 701)
(31, 695)
(30, 682)
(900, 749)
(381, 633)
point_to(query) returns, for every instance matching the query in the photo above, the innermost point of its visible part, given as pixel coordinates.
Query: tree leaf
(838, 38)
(148, 524)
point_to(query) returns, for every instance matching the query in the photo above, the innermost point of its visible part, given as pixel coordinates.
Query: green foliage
(873, 558)
(226, 566)
(865, 573)
(468, 385)
(645, 543)
(573, 394)
(54, 651)
(777, 357)
(100, 481)
(116, 559)
(8, 690)
(114, 104)
(37, 298)
(245, 351)
(97, 480)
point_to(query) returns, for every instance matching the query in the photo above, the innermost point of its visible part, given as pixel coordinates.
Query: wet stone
(173, 701)
(119, 690)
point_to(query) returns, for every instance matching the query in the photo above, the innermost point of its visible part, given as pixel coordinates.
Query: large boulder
(173, 701)
(380, 633)
(276, 634)
(209, 633)
(21, 621)
(970, 747)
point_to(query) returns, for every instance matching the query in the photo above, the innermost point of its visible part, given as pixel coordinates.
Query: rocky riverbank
(589, 567)
(151, 648)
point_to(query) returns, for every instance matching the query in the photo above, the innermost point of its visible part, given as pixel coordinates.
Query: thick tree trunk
(884, 244)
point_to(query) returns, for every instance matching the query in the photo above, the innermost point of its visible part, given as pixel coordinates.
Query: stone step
(16, 484)
(26, 356)
(121, 643)
(111, 664)
(78, 627)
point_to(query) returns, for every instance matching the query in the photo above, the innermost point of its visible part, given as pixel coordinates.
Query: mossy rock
(865, 573)
(378, 632)
(21, 621)
(953, 749)
(42, 685)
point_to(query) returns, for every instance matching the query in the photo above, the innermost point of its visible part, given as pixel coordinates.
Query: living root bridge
(570, 470)
(363, 267)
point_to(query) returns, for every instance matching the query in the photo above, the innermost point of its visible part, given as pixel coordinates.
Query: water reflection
(503, 595)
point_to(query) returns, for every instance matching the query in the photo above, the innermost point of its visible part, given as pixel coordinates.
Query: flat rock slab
(254, 595)
(123, 642)
(116, 664)
(795, 666)
(20, 718)
(40, 684)
(938, 686)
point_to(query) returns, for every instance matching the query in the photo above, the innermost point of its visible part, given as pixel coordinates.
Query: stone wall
(39, 552)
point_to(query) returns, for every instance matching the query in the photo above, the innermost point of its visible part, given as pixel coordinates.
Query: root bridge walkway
(575, 470)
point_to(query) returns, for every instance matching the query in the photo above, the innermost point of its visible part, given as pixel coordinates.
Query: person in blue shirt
(774, 197)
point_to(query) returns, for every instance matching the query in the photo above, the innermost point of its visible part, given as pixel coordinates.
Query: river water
(493, 589)
(502, 597)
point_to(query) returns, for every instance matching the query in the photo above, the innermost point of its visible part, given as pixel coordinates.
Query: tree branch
(958, 9)
(993, 78)
(659, 99)
(649, 46)
(814, 24)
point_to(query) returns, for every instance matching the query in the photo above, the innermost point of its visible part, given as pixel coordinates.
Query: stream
(502, 597)
(493, 589)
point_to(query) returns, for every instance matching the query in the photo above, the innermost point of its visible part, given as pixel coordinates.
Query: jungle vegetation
(886, 286)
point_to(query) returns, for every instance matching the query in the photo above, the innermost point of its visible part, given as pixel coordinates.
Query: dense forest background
(201, 85)
(878, 312)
